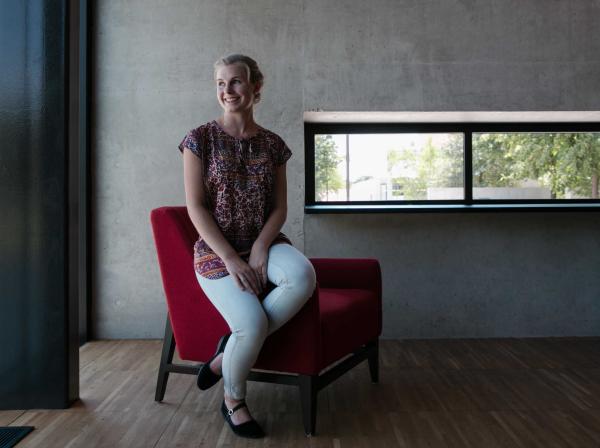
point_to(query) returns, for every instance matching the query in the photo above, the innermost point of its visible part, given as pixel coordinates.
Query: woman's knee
(253, 327)
(302, 273)
(304, 279)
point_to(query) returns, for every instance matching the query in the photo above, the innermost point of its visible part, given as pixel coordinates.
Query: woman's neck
(238, 125)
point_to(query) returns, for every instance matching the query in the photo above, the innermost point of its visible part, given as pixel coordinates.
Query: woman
(236, 195)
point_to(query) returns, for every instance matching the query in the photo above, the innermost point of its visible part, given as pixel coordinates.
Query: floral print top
(239, 180)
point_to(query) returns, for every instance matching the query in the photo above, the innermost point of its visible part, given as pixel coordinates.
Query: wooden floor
(432, 393)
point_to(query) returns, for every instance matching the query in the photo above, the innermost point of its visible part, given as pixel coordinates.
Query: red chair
(340, 322)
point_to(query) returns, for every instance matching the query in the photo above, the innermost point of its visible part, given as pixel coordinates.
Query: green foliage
(327, 178)
(453, 154)
(491, 163)
(564, 162)
(430, 166)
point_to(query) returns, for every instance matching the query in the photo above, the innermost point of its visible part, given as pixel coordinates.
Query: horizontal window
(452, 164)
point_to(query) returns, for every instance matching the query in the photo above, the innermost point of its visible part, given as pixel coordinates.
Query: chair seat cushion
(349, 318)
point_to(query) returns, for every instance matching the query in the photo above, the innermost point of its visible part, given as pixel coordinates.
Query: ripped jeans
(250, 320)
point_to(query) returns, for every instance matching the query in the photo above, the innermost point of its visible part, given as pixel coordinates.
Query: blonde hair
(255, 76)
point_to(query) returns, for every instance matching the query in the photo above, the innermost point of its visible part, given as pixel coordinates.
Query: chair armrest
(355, 273)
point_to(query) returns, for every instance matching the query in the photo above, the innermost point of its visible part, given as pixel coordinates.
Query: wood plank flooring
(432, 393)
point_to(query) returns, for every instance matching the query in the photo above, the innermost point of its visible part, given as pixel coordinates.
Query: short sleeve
(282, 154)
(192, 142)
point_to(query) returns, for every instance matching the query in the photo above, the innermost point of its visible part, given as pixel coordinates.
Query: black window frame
(468, 204)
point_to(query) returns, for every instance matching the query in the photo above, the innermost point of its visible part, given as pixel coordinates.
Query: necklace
(241, 151)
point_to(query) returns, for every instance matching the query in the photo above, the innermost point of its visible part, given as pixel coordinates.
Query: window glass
(536, 165)
(389, 167)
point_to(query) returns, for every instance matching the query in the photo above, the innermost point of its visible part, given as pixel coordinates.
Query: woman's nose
(229, 88)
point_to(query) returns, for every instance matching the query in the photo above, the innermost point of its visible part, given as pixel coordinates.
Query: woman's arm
(260, 249)
(207, 228)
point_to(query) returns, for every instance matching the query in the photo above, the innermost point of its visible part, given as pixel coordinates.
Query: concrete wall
(445, 275)
(475, 275)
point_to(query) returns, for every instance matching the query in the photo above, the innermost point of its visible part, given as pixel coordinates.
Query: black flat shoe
(206, 377)
(250, 429)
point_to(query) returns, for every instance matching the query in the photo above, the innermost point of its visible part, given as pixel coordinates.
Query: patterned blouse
(238, 183)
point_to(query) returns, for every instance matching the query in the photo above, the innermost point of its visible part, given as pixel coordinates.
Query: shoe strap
(238, 406)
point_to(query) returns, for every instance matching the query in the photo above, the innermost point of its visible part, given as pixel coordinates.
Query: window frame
(468, 204)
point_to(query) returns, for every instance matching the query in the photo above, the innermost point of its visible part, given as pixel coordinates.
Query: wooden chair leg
(308, 398)
(373, 360)
(166, 358)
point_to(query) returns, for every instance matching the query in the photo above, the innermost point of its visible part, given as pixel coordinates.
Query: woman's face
(234, 91)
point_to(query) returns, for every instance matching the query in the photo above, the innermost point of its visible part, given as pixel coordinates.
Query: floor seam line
(173, 416)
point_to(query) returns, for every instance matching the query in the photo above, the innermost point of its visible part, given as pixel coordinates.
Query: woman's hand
(259, 256)
(243, 275)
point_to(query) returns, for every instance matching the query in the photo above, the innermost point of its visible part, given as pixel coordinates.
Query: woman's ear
(257, 92)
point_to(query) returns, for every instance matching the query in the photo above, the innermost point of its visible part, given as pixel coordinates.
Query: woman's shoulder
(197, 138)
(271, 136)
(267, 132)
(203, 129)
(279, 148)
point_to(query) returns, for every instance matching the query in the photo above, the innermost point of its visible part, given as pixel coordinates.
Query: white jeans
(250, 320)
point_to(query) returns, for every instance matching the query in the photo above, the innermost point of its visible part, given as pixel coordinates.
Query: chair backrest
(197, 325)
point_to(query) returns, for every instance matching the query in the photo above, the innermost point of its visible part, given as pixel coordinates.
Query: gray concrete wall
(445, 275)
(475, 275)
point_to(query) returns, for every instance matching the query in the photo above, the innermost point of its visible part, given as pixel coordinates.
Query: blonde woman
(235, 187)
